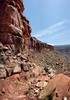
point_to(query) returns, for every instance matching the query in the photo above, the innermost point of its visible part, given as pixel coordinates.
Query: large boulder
(57, 89)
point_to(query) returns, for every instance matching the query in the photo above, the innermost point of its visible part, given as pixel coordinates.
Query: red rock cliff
(39, 45)
(14, 27)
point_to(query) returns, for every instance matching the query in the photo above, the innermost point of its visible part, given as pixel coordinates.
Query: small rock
(17, 69)
(65, 98)
(9, 71)
(23, 58)
(36, 91)
(1, 66)
(2, 58)
(5, 49)
(14, 57)
(37, 70)
(2, 71)
(25, 67)
(3, 91)
(9, 52)
(41, 84)
(51, 70)
(20, 55)
(51, 75)
(33, 65)
(1, 45)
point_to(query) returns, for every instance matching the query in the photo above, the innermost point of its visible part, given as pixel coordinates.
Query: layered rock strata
(14, 27)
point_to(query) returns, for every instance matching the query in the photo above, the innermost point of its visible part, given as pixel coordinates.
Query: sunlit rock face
(38, 45)
(14, 27)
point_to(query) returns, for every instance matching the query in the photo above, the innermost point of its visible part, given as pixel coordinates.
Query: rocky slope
(51, 59)
(27, 65)
(23, 78)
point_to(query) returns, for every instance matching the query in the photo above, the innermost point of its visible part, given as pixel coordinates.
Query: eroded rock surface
(14, 27)
(57, 89)
(38, 45)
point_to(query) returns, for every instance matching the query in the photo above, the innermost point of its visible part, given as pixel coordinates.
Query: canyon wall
(14, 27)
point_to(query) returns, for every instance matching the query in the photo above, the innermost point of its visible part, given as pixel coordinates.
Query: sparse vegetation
(25, 77)
(46, 69)
(53, 59)
(26, 92)
(33, 75)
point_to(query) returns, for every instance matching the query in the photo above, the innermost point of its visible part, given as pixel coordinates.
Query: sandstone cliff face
(14, 27)
(38, 45)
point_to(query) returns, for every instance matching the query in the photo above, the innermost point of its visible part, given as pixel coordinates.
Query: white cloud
(52, 29)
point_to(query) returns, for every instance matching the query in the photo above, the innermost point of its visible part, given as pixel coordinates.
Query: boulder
(25, 66)
(58, 88)
(17, 68)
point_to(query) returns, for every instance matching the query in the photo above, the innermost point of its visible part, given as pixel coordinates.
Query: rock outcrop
(38, 45)
(57, 89)
(14, 27)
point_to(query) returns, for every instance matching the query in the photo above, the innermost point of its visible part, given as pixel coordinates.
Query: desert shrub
(46, 69)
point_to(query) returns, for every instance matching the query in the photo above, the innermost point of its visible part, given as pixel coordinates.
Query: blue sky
(50, 20)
